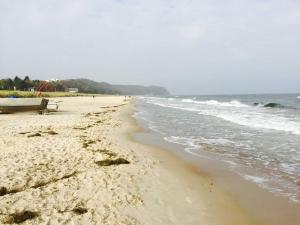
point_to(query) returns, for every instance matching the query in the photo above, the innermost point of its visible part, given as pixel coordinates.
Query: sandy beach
(81, 166)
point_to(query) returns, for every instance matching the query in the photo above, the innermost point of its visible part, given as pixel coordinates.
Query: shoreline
(220, 209)
(81, 166)
(273, 209)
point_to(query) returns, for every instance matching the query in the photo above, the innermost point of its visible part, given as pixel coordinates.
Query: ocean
(257, 137)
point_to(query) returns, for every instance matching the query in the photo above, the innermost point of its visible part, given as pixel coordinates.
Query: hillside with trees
(83, 85)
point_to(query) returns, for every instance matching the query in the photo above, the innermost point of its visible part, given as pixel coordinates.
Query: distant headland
(78, 85)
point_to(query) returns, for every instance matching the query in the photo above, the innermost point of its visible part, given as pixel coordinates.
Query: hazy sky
(188, 46)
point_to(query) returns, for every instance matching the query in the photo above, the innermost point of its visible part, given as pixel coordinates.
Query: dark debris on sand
(5, 191)
(51, 132)
(108, 153)
(110, 162)
(80, 210)
(44, 183)
(34, 135)
(20, 217)
(25, 132)
(87, 143)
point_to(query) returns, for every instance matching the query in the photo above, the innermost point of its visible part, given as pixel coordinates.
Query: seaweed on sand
(44, 183)
(110, 162)
(108, 153)
(25, 132)
(83, 128)
(51, 132)
(21, 217)
(80, 210)
(87, 143)
(3, 191)
(34, 135)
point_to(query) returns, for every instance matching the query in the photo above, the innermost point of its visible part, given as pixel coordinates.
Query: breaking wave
(257, 120)
(272, 105)
(262, 137)
(233, 103)
(235, 112)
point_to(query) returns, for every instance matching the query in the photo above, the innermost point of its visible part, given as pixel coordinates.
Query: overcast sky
(188, 46)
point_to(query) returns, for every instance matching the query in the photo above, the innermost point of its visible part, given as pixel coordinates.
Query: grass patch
(28, 94)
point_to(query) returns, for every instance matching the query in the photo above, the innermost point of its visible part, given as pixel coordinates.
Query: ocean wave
(174, 106)
(298, 96)
(237, 137)
(171, 99)
(274, 105)
(233, 103)
(150, 124)
(255, 179)
(270, 105)
(265, 181)
(195, 142)
(182, 141)
(257, 120)
(241, 114)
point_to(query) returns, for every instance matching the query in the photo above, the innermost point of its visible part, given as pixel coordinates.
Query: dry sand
(80, 166)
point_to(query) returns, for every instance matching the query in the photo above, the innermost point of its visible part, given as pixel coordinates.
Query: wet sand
(264, 207)
(81, 166)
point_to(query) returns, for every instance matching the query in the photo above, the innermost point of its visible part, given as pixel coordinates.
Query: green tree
(6, 84)
(19, 83)
(28, 83)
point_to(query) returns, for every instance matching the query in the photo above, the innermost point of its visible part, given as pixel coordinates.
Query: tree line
(27, 84)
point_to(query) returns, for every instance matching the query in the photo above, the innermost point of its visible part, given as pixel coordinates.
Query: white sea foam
(150, 124)
(257, 120)
(182, 141)
(298, 96)
(235, 112)
(281, 188)
(255, 179)
(195, 142)
(188, 100)
(174, 106)
(239, 142)
(233, 103)
(140, 115)
(193, 147)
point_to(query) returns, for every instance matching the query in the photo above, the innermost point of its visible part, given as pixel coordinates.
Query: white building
(73, 90)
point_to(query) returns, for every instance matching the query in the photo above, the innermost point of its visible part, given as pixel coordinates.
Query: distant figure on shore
(126, 98)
